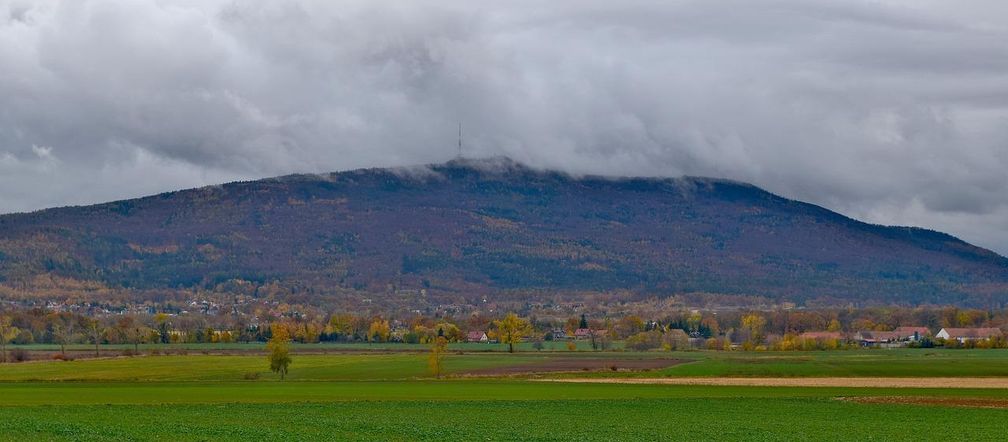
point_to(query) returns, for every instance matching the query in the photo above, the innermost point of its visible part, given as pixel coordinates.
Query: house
(477, 336)
(869, 338)
(177, 336)
(913, 333)
(587, 333)
(398, 334)
(969, 334)
(558, 334)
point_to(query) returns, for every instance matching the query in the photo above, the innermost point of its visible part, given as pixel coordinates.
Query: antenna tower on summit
(460, 140)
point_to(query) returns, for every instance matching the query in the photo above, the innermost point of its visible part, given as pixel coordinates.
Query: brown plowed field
(560, 365)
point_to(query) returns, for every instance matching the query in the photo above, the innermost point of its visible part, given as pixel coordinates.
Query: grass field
(317, 347)
(388, 396)
(371, 365)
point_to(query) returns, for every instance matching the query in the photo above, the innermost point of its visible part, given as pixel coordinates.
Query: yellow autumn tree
(834, 325)
(435, 362)
(379, 330)
(7, 333)
(278, 350)
(754, 324)
(512, 329)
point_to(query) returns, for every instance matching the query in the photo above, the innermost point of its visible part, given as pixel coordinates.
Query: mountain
(473, 229)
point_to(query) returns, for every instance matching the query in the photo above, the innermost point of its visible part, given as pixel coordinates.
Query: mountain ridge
(478, 227)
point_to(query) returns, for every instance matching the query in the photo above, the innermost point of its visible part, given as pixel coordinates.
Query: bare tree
(95, 332)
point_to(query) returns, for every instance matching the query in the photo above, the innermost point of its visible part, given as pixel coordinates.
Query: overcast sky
(893, 112)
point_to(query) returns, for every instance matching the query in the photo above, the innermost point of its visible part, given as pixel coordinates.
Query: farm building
(477, 336)
(869, 338)
(969, 334)
(913, 333)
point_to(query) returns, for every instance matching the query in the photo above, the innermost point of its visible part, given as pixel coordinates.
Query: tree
(834, 325)
(278, 350)
(754, 324)
(60, 336)
(436, 359)
(512, 329)
(63, 330)
(571, 326)
(7, 333)
(675, 339)
(628, 326)
(644, 341)
(95, 331)
(450, 331)
(162, 325)
(132, 330)
(340, 324)
(379, 331)
(584, 322)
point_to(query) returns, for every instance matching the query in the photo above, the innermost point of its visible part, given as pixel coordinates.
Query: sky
(892, 112)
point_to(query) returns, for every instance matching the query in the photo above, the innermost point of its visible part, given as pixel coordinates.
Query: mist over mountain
(475, 228)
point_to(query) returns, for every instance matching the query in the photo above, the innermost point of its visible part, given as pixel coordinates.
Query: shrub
(644, 341)
(19, 355)
(251, 375)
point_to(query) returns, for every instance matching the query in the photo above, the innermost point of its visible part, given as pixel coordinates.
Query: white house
(477, 336)
(969, 334)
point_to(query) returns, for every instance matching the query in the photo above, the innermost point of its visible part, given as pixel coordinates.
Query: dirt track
(565, 364)
(809, 382)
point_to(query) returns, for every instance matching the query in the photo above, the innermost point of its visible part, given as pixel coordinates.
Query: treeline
(770, 330)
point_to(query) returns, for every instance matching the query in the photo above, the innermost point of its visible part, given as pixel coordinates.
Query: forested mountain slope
(484, 227)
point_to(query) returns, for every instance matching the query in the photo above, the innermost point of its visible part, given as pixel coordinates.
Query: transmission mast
(460, 141)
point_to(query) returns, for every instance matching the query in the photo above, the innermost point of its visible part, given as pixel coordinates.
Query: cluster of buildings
(903, 336)
(558, 334)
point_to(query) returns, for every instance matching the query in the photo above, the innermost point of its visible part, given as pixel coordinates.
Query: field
(380, 395)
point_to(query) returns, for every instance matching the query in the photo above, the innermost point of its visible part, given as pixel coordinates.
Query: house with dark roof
(871, 338)
(914, 334)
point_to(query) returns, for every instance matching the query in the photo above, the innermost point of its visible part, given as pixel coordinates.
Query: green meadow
(389, 396)
(385, 365)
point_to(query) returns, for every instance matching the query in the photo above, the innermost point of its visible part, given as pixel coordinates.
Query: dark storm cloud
(893, 112)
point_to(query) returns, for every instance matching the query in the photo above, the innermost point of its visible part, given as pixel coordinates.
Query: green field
(376, 365)
(107, 349)
(389, 396)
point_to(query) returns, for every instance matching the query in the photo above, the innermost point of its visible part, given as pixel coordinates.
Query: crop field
(390, 396)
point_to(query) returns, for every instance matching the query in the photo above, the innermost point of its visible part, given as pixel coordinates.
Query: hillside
(476, 228)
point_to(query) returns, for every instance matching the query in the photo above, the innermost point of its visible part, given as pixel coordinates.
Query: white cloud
(891, 111)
